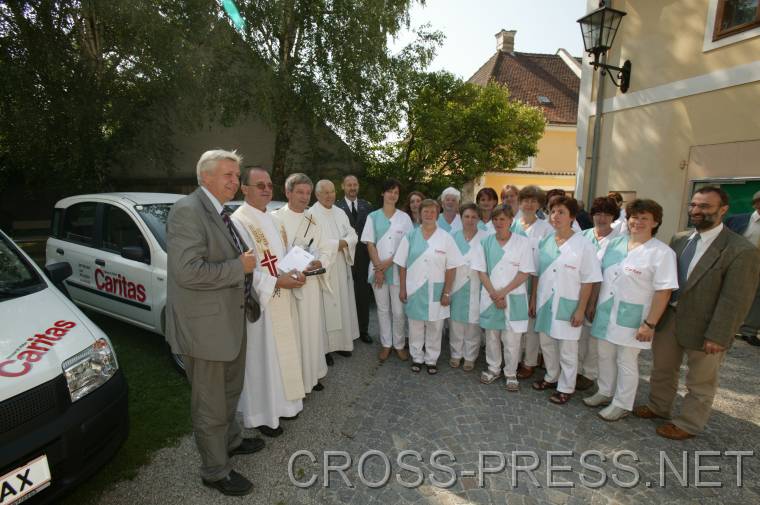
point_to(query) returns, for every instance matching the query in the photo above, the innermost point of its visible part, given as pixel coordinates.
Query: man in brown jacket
(718, 271)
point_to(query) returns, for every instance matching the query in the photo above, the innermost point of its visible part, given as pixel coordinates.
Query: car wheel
(178, 363)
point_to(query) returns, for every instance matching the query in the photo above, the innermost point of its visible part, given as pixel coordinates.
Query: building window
(526, 164)
(735, 16)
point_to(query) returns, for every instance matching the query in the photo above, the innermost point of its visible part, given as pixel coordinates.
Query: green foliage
(455, 131)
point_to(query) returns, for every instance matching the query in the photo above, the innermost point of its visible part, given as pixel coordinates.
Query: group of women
(524, 277)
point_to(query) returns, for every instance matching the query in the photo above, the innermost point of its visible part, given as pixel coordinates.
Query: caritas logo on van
(118, 285)
(26, 355)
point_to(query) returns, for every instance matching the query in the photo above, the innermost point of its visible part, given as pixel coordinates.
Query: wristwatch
(649, 325)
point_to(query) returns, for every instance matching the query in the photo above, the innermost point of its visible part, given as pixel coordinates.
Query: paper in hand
(296, 259)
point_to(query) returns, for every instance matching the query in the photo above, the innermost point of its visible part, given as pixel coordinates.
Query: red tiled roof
(530, 75)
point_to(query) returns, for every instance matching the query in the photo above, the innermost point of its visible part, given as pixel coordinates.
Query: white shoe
(487, 377)
(597, 400)
(613, 413)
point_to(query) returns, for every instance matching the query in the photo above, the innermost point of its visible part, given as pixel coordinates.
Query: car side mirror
(58, 272)
(135, 253)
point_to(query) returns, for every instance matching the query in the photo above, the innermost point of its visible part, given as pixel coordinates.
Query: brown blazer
(205, 311)
(719, 290)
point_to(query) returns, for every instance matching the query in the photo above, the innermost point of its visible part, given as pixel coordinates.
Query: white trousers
(504, 343)
(427, 334)
(561, 362)
(390, 316)
(531, 345)
(464, 340)
(618, 373)
(588, 354)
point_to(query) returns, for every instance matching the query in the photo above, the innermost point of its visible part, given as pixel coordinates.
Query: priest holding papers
(340, 238)
(303, 230)
(273, 386)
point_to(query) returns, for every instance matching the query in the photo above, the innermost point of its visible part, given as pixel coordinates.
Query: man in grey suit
(205, 315)
(718, 271)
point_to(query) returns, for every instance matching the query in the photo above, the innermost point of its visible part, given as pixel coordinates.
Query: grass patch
(159, 405)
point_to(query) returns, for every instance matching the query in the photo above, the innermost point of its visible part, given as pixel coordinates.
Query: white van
(63, 398)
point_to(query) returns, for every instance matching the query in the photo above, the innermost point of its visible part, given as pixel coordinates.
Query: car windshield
(17, 276)
(155, 216)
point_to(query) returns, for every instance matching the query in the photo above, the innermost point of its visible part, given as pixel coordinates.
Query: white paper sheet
(296, 259)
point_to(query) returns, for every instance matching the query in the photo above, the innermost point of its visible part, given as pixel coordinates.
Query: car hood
(38, 333)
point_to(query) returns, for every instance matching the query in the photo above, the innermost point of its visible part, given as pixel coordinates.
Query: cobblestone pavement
(367, 406)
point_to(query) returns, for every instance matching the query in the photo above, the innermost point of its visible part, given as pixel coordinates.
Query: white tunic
(602, 243)
(426, 262)
(386, 234)
(561, 271)
(301, 229)
(630, 281)
(486, 227)
(341, 319)
(264, 398)
(465, 295)
(452, 228)
(502, 264)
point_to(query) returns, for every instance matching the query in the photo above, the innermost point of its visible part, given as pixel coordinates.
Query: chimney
(505, 41)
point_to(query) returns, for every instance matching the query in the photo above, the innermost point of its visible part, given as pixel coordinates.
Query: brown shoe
(525, 372)
(402, 354)
(673, 432)
(384, 354)
(582, 382)
(644, 412)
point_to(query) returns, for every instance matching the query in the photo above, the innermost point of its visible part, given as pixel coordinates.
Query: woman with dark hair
(412, 207)
(486, 199)
(383, 232)
(464, 324)
(639, 274)
(567, 268)
(621, 222)
(427, 258)
(504, 262)
(604, 211)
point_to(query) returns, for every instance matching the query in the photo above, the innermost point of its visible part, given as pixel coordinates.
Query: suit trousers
(752, 322)
(216, 387)
(618, 372)
(701, 379)
(362, 292)
(561, 362)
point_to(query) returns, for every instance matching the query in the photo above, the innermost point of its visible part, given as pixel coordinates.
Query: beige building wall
(556, 150)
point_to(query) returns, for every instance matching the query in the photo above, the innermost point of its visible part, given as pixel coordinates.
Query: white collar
(709, 234)
(251, 207)
(348, 202)
(218, 206)
(754, 217)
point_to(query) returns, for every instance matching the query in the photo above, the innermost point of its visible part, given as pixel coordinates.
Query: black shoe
(248, 446)
(232, 485)
(329, 359)
(291, 418)
(345, 354)
(364, 337)
(753, 340)
(269, 432)
(319, 387)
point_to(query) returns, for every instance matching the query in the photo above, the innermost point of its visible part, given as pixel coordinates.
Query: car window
(17, 276)
(79, 223)
(120, 231)
(155, 216)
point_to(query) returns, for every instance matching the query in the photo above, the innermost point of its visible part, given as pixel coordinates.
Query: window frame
(95, 239)
(104, 223)
(718, 33)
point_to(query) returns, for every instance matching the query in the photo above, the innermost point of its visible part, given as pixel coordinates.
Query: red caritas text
(35, 349)
(119, 285)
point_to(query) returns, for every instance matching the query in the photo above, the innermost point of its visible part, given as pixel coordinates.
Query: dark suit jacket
(719, 290)
(363, 209)
(738, 222)
(205, 311)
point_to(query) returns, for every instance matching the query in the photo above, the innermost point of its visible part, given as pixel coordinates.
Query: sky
(543, 26)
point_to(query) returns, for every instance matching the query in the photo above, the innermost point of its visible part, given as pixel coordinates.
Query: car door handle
(59, 251)
(100, 262)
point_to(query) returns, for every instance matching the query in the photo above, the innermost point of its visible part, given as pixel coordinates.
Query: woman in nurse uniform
(464, 327)
(531, 198)
(412, 207)
(639, 274)
(604, 211)
(504, 263)
(427, 259)
(487, 199)
(567, 268)
(383, 233)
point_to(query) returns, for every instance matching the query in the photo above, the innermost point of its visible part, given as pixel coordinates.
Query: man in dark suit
(207, 298)
(357, 210)
(718, 272)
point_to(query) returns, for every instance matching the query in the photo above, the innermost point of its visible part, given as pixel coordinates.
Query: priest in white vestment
(340, 238)
(273, 384)
(302, 229)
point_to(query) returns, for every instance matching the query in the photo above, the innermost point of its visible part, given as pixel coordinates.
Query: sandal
(432, 369)
(416, 367)
(525, 372)
(513, 385)
(542, 385)
(487, 377)
(560, 398)
(454, 362)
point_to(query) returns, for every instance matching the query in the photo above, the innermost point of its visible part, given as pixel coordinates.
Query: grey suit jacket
(205, 312)
(719, 290)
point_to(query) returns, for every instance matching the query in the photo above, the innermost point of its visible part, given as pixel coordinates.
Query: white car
(63, 398)
(116, 246)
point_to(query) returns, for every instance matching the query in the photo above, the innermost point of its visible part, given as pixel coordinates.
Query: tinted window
(155, 216)
(79, 223)
(120, 231)
(17, 277)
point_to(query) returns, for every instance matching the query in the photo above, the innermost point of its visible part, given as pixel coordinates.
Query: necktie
(353, 211)
(683, 265)
(252, 309)
(226, 218)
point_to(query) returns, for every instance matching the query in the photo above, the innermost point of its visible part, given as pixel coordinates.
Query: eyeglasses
(261, 185)
(700, 206)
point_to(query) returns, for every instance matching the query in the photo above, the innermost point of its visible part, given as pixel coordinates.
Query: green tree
(455, 131)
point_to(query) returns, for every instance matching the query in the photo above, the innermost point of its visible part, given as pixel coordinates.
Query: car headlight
(89, 369)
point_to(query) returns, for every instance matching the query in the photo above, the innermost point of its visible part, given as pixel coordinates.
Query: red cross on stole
(270, 261)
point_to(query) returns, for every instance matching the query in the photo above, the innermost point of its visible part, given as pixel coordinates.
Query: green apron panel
(566, 308)
(544, 317)
(602, 319)
(493, 319)
(460, 304)
(381, 225)
(630, 315)
(518, 307)
(548, 252)
(417, 304)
